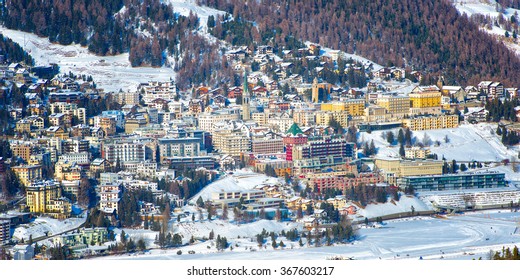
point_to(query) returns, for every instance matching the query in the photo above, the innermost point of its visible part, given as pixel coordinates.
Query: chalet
(97, 132)
(314, 49)
(15, 67)
(417, 74)
(159, 103)
(265, 50)
(383, 73)
(235, 92)
(236, 54)
(219, 100)
(258, 90)
(512, 92)
(476, 115)
(288, 54)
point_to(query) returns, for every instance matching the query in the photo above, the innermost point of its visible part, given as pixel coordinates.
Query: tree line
(426, 35)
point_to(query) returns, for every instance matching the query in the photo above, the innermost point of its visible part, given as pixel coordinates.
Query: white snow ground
(466, 143)
(241, 180)
(488, 8)
(466, 236)
(40, 226)
(110, 73)
(184, 7)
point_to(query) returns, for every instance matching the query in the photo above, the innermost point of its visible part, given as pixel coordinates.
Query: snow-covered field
(241, 180)
(465, 236)
(393, 207)
(109, 72)
(184, 7)
(466, 143)
(42, 226)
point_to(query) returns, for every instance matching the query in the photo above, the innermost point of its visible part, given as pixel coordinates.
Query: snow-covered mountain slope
(492, 9)
(109, 72)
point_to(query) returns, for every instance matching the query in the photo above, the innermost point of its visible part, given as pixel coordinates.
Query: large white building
(110, 195)
(124, 150)
(233, 139)
(69, 109)
(154, 90)
(75, 157)
(207, 121)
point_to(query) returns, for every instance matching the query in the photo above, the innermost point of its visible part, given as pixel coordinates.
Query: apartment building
(123, 149)
(432, 122)
(207, 121)
(178, 147)
(396, 106)
(232, 139)
(28, 173)
(110, 195)
(46, 197)
(353, 107)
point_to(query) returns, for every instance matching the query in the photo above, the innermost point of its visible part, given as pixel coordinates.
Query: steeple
(246, 114)
(315, 91)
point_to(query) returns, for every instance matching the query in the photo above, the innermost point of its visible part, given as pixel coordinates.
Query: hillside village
(307, 136)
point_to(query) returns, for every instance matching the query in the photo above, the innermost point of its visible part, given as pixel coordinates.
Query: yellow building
(425, 99)
(28, 173)
(324, 118)
(22, 149)
(46, 197)
(432, 122)
(394, 168)
(354, 107)
(396, 106)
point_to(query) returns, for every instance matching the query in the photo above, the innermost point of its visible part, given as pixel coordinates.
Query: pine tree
(400, 137)
(390, 138)
(211, 235)
(402, 152)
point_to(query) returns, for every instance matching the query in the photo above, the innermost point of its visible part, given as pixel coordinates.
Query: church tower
(315, 91)
(246, 114)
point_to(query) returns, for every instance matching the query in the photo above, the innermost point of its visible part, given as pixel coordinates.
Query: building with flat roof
(463, 181)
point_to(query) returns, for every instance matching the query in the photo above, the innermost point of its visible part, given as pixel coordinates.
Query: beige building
(395, 168)
(134, 123)
(304, 117)
(232, 140)
(396, 106)
(375, 113)
(259, 118)
(280, 124)
(69, 109)
(416, 152)
(432, 122)
(208, 120)
(324, 117)
(22, 149)
(126, 98)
